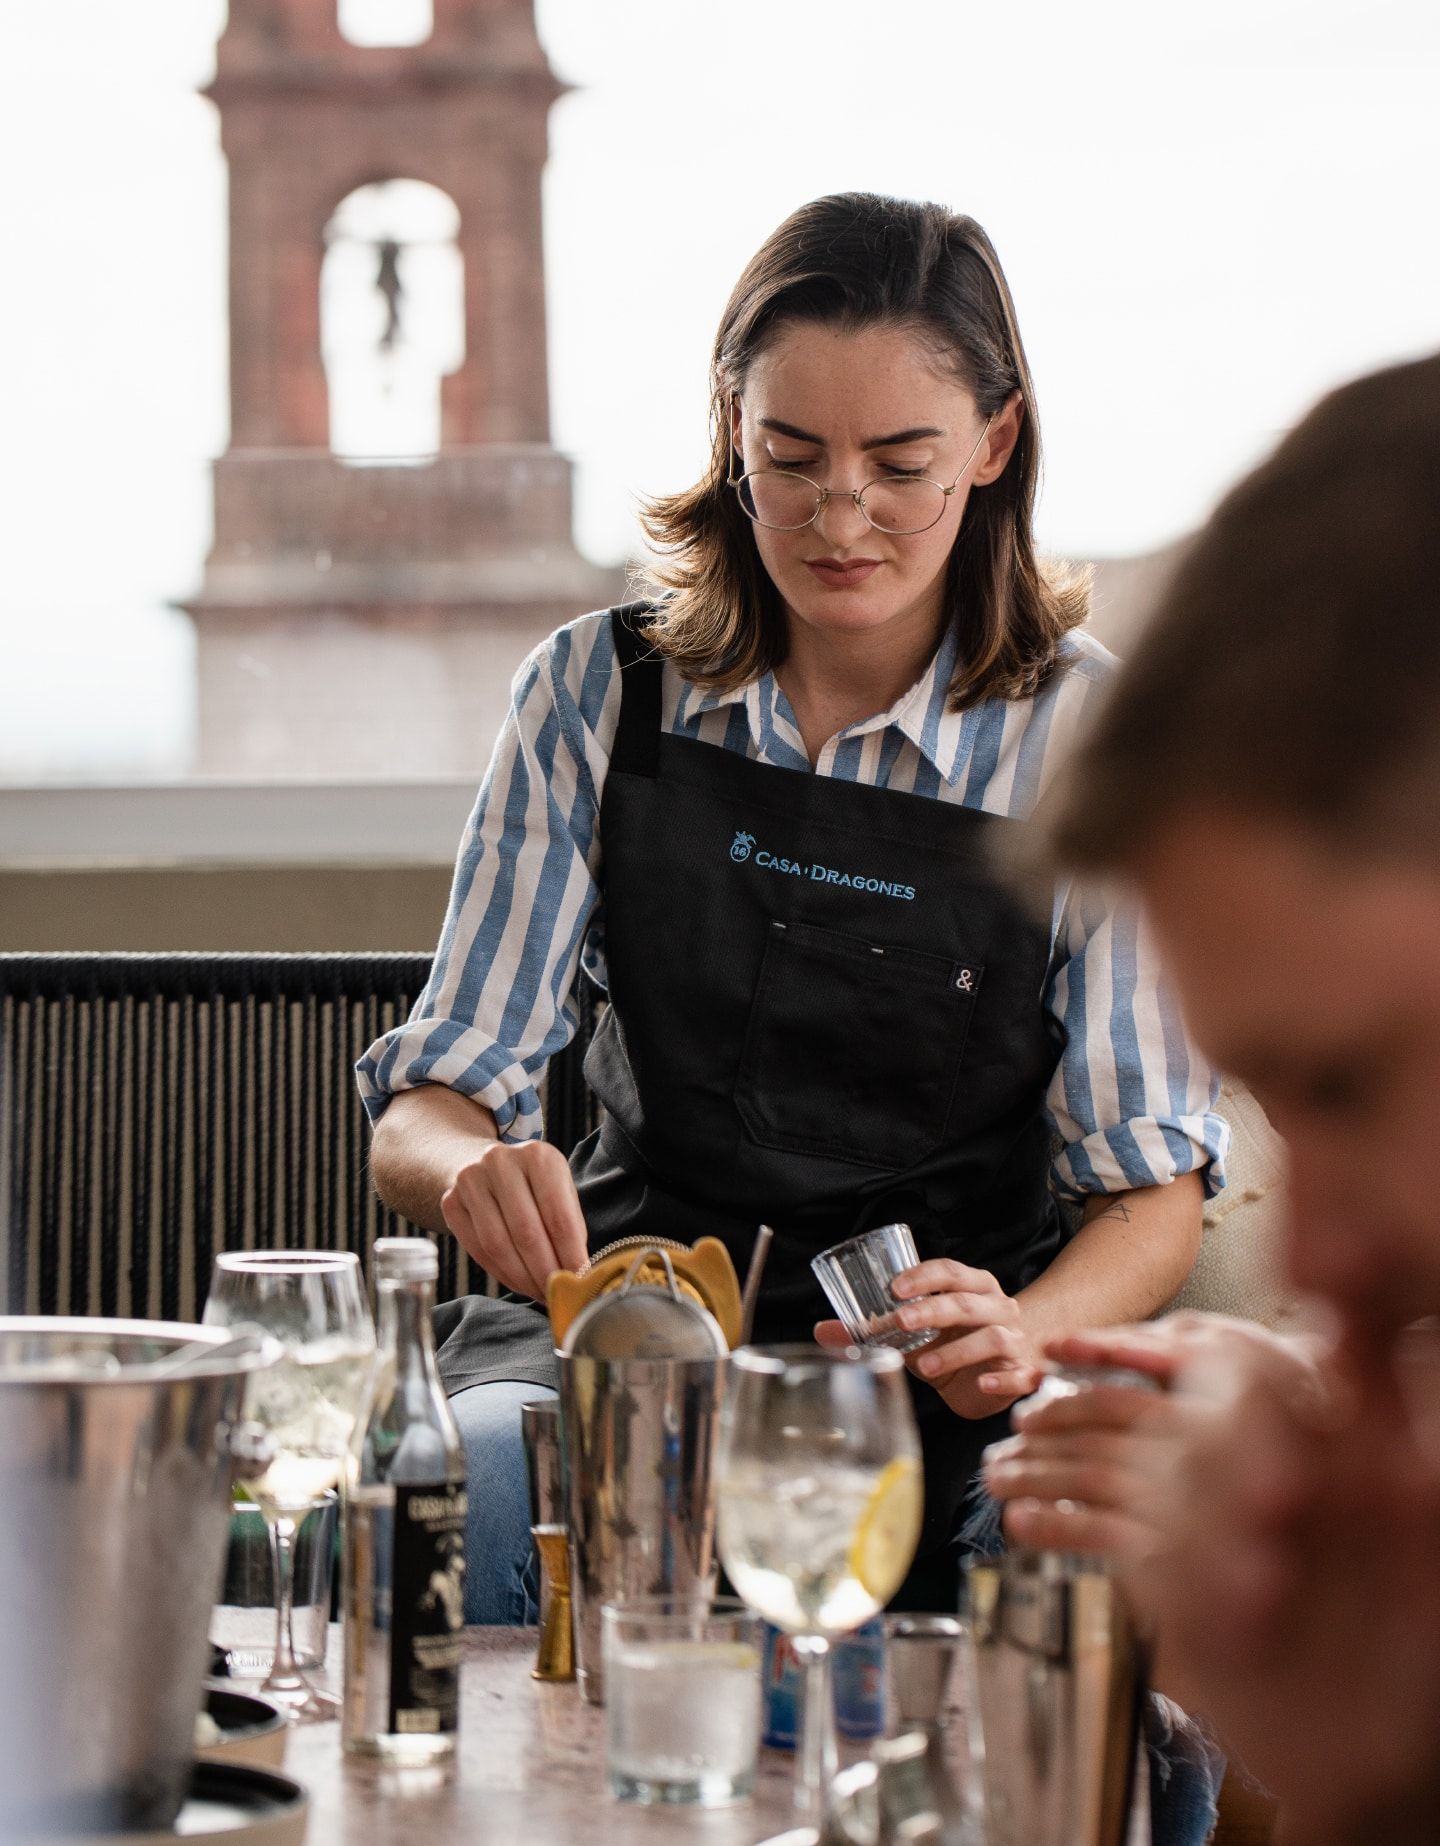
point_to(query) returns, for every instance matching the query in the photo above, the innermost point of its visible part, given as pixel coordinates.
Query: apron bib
(825, 1014)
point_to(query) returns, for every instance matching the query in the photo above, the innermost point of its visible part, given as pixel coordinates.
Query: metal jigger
(540, 1427)
(904, 1792)
(922, 1651)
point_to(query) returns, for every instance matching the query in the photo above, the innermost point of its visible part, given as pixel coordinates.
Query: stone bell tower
(362, 612)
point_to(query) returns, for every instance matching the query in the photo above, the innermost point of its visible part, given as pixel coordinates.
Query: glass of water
(682, 1699)
(856, 1277)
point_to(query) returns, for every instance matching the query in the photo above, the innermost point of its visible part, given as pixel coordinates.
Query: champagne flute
(820, 1497)
(313, 1303)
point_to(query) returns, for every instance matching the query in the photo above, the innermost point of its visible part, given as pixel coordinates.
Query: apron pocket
(853, 1047)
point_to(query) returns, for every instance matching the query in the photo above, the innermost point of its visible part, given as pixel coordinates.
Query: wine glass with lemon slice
(820, 1497)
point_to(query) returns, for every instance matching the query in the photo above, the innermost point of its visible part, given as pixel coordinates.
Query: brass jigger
(555, 1656)
(540, 1427)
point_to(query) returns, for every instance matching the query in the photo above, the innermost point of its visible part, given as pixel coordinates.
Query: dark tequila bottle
(404, 1531)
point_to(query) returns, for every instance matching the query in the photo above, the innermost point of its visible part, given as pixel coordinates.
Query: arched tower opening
(392, 318)
(386, 22)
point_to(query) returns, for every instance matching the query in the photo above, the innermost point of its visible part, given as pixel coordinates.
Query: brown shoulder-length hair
(858, 260)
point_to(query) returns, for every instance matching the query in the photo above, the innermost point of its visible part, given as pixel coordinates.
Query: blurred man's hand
(1087, 1472)
(1295, 1586)
(1277, 1521)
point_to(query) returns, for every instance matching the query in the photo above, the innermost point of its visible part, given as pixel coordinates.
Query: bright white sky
(1208, 213)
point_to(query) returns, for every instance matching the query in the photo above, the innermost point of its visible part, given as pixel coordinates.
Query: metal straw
(200, 1354)
(751, 1296)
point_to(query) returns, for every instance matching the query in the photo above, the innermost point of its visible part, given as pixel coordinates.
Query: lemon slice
(889, 1529)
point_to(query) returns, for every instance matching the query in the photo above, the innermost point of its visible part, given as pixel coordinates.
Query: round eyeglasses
(786, 502)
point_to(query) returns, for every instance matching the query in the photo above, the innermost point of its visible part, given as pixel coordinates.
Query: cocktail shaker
(642, 1374)
(1054, 1700)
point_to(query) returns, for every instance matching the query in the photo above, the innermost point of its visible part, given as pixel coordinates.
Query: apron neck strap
(636, 749)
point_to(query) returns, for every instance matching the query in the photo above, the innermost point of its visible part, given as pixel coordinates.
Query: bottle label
(427, 1609)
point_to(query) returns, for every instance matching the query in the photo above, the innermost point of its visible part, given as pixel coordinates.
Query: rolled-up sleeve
(1132, 1099)
(497, 1006)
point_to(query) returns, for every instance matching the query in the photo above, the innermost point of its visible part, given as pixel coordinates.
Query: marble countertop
(530, 1768)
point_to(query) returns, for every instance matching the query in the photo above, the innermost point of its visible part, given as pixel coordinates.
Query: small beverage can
(782, 1683)
(859, 1674)
(858, 1683)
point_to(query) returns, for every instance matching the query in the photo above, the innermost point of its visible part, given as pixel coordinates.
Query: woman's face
(845, 409)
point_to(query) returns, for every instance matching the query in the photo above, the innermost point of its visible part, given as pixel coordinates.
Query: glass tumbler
(856, 1276)
(682, 1699)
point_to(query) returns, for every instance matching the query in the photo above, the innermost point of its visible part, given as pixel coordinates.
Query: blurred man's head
(1268, 772)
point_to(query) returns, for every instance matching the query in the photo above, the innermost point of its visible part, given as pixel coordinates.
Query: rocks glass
(856, 1276)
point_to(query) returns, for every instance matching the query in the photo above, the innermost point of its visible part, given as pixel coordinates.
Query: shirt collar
(922, 714)
(713, 700)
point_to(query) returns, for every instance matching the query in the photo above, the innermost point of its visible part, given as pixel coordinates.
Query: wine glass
(820, 1497)
(313, 1303)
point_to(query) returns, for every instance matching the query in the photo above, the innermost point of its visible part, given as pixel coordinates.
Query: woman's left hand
(984, 1358)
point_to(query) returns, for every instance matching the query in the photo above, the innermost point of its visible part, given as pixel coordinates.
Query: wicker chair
(157, 1108)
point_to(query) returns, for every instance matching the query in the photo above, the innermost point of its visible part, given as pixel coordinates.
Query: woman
(762, 811)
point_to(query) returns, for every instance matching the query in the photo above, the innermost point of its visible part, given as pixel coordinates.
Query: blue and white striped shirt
(1131, 1099)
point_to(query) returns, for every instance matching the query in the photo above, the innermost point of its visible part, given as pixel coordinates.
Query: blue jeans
(1186, 1770)
(502, 1584)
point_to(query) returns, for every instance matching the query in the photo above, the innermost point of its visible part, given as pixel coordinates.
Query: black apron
(825, 1014)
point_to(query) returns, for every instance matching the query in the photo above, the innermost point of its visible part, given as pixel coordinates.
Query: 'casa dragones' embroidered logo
(743, 845)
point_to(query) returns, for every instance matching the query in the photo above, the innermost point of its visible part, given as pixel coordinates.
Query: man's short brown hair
(1292, 671)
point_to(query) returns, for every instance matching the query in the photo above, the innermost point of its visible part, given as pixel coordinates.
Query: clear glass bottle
(404, 1531)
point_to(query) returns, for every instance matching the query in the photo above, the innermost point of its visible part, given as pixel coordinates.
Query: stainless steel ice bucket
(114, 1504)
(638, 1439)
(1054, 1699)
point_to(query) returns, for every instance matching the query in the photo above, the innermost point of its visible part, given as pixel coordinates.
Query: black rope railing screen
(156, 1109)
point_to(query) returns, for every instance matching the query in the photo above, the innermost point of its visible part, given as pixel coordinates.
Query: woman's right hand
(515, 1211)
